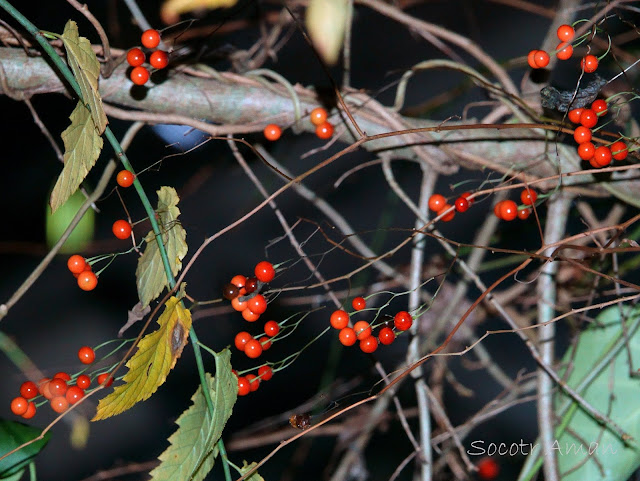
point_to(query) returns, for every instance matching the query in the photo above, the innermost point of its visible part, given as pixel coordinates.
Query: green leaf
(12, 435)
(86, 69)
(14, 477)
(193, 450)
(326, 22)
(57, 223)
(248, 467)
(148, 368)
(151, 278)
(82, 146)
(613, 391)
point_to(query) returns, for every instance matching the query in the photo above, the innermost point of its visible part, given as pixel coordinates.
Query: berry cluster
(438, 204)
(250, 382)
(564, 51)
(318, 117)
(81, 270)
(508, 210)
(158, 59)
(363, 331)
(600, 156)
(61, 391)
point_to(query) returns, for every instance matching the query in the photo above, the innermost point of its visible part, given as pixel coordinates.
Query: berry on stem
(347, 336)
(125, 178)
(102, 378)
(265, 342)
(574, 115)
(238, 305)
(243, 386)
(318, 116)
(362, 329)
(253, 349)
(238, 281)
(59, 404)
(43, 387)
(531, 59)
(159, 59)
(271, 328)
(139, 75)
(254, 382)
(589, 63)
(582, 134)
(62, 375)
(358, 303)
(541, 58)
(86, 355)
(369, 344)
(339, 319)
(28, 390)
(508, 210)
(386, 336)
(437, 202)
(87, 281)
(264, 271)
(324, 131)
(251, 285)
(135, 57)
(564, 51)
(57, 387)
(566, 33)
(83, 381)
(402, 320)
(619, 150)
(74, 394)
(449, 215)
(524, 213)
(250, 316)
(19, 405)
(257, 304)
(265, 372)
(462, 204)
(586, 151)
(76, 264)
(241, 339)
(31, 411)
(602, 156)
(588, 118)
(121, 229)
(599, 107)
(528, 196)
(230, 292)
(150, 38)
(272, 132)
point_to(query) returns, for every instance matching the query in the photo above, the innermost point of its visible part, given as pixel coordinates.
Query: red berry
(83, 381)
(574, 115)
(508, 210)
(31, 411)
(254, 382)
(602, 156)
(238, 281)
(150, 38)
(586, 151)
(43, 387)
(125, 178)
(86, 355)
(76, 264)
(362, 329)
(102, 378)
(121, 229)
(541, 58)
(264, 271)
(257, 304)
(87, 281)
(159, 59)
(241, 339)
(230, 292)
(339, 319)
(524, 213)
(251, 285)
(461, 204)
(265, 342)
(531, 59)
(318, 116)
(59, 404)
(253, 348)
(250, 316)
(239, 305)
(599, 107)
(74, 394)
(582, 134)
(135, 57)
(619, 150)
(589, 63)
(358, 303)
(488, 469)
(272, 132)
(496, 209)
(62, 375)
(271, 328)
(324, 131)
(566, 33)
(369, 344)
(564, 51)
(386, 336)
(437, 202)
(588, 118)
(265, 373)
(347, 336)
(528, 196)
(243, 386)
(19, 405)
(57, 387)
(139, 75)
(28, 390)
(449, 215)
(402, 320)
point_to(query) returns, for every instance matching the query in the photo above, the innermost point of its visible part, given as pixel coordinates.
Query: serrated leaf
(82, 146)
(193, 449)
(12, 435)
(148, 368)
(86, 69)
(613, 391)
(326, 22)
(151, 278)
(245, 468)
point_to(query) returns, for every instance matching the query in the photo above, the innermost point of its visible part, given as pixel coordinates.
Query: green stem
(225, 461)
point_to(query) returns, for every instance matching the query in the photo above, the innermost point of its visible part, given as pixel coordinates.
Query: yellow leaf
(148, 368)
(326, 22)
(172, 9)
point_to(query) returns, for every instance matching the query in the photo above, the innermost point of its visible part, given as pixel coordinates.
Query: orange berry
(318, 116)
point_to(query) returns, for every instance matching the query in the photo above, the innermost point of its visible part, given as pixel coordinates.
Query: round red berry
(264, 271)
(76, 264)
(238, 281)
(324, 131)
(243, 386)
(265, 342)
(574, 115)
(135, 57)
(586, 151)
(488, 469)
(449, 215)
(524, 213)
(402, 320)
(588, 118)
(272, 132)
(57, 387)
(150, 38)
(347, 336)
(566, 33)
(241, 339)
(528, 196)
(74, 394)
(159, 59)
(358, 303)
(541, 58)
(437, 202)
(254, 382)
(19, 405)
(28, 390)
(582, 134)
(251, 285)
(59, 404)
(271, 328)
(386, 336)
(564, 51)
(102, 379)
(87, 281)
(508, 210)
(139, 75)
(257, 304)
(318, 116)
(369, 344)
(31, 411)
(253, 348)
(599, 107)
(43, 387)
(531, 59)
(86, 355)
(125, 178)
(121, 229)
(339, 319)
(362, 329)
(619, 150)
(62, 375)
(462, 204)
(83, 381)
(602, 156)
(230, 292)
(589, 63)
(265, 372)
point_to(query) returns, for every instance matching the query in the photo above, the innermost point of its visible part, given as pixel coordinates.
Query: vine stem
(68, 75)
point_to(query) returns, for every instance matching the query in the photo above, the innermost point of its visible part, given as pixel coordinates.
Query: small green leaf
(149, 367)
(82, 146)
(86, 69)
(12, 435)
(326, 22)
(248, 467)
(57, 223)
(14, 477)
(151, 278)
(193, 449)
